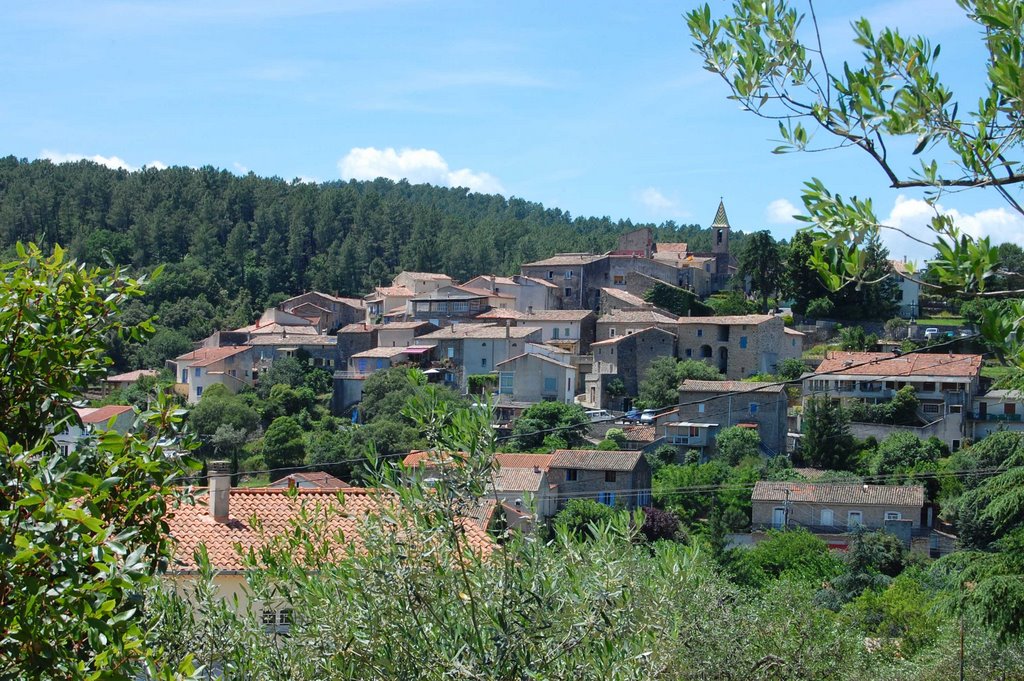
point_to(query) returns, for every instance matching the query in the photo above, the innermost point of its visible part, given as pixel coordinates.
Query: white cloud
(113, 162)
(914, 215)
(781, 212)
(661, 206)
(240, 169)
(418, 166)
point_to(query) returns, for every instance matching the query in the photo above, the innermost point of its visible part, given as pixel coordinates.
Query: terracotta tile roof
(206, 356)
(312, 479)
(618, 339)
(836, 493)
(640, 433)
(648, 317)
(395, 291)
(595, 460)
(293, 339)
(359, 327)
(100, 415)
(889, 364)
(729, 319)
(670, 248)
(483, 292)
(279, 329)
(793, 332)
(191, 525)
(565, 259)
(542, 282)
(132, 376)
(380, 353)
(404, 325)
(538, 315)
(486, 331)
(429, 276)
(625, 297)
(692, 386)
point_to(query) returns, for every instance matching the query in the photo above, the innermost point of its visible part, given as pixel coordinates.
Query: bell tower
(720, 231)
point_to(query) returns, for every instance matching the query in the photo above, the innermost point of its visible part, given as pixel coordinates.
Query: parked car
(931, 332)
(632, 416)
(598, 415)
(648, 415)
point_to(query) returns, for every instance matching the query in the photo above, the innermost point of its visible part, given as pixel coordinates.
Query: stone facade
(627, 357)
(612, 478)
(625, 322)
(731, 403)
(738, 346)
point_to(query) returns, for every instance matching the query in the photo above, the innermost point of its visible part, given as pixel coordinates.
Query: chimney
(219, 489)
(492, 284)
(508, 326)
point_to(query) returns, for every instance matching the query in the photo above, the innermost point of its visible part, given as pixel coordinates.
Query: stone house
(997, 410)
(572, 330)
(615, 478)
(330, 312)
(833, 509)
(385, 300)
(627, 358)
(945, 384)
(529, 293)
(738, 345)
(535, 377)
(422, 282)
(230, 365)
(478, 348)
(624, 322)
(723, 404)
(447, 304)
(613, 299)
(571, 273)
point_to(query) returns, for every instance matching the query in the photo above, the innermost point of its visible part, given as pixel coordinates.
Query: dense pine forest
(232, 245)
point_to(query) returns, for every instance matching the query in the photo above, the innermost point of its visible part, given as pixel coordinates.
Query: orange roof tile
(889, 364)
(191, 525)
(837, 493)
(205, 356)
(670, 248)
(100, 415)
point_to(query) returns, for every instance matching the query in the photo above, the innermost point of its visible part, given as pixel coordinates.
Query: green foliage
(827, 442)
(821, 308)
(481, 383)
(901, 410)
(660, 386)
(679, 302)
(82, 532)
(663, 455)
(760, 261)
(615, 388)
(565, 424)
(902, 451)
(288, 371)
(854, 338)
(734, 444)
(731, 303)
(283, 447)
(800, 280)
(219, 407)
(896, 328)
(794, 555)
(583, 518)
(790, 369)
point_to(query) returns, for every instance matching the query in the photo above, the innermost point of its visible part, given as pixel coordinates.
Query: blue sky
(598, 108)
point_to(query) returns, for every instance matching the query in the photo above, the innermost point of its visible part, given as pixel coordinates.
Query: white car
(931, 332)
(598, 415)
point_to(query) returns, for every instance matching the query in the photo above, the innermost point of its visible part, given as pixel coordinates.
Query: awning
(417, 350)
(432, 372)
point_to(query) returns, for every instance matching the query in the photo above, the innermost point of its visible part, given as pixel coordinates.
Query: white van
(598, 415)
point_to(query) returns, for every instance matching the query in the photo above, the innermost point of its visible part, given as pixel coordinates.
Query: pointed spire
(721, 219)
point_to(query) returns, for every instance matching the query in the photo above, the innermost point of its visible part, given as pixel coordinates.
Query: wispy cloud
(913, 216)
(114, 162)
(239, 168)
(660, 206)
(781, 212)
(418, 166)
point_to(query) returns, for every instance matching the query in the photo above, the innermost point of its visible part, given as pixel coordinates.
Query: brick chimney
(219, 475)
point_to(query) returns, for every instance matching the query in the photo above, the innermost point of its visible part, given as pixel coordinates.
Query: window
(689, 352)
(743, 341)
(199, 391)
(928, 387)
(606, 498)
(568, 291)
(423, 307)
(609, 476)
(551, 274)
(380, 364)
(197, 372)
(554, 333)
(930, 408)
(778, 517)
(854, 519)
(506, 382)
(956, 408)
(362, 366)
(451, 353)
(550, 385)
(567, 334)
(694, 431)
(754, 406)
(184, 375)
(827, 517)
(700, 408)
(611, 332)
(570, 474)
(568, 275)
(618, 279)
(700, 333)
(483, 362)
(955, 445)
(461, 306)
(893, 515)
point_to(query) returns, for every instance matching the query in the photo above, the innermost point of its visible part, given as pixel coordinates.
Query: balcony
(1005, 418)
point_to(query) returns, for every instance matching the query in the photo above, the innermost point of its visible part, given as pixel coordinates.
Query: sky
(597, 108)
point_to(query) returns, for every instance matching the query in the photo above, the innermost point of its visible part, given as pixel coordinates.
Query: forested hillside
(266, 235)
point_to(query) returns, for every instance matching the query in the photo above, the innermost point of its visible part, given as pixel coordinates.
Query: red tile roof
(729, 319)
(100, 415)
(132, 376)
(205, 356)
(273, 510)
(693, 386)
(312, 479)
(636, 317)
(836, 493)
(890, 364)
(595, 460)
(640, 433)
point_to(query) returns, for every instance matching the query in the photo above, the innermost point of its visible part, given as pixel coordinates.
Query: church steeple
(720, 230)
